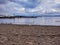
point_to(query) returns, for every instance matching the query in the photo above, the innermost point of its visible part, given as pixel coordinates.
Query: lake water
(32, 21)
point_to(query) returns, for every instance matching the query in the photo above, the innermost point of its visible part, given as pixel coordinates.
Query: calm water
(33, 21)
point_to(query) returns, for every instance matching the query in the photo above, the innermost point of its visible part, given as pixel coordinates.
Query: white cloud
(12, 7)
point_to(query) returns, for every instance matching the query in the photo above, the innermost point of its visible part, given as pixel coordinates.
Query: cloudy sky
(28, 7)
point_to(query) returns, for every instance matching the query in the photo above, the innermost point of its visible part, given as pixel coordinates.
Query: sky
(28, 7)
